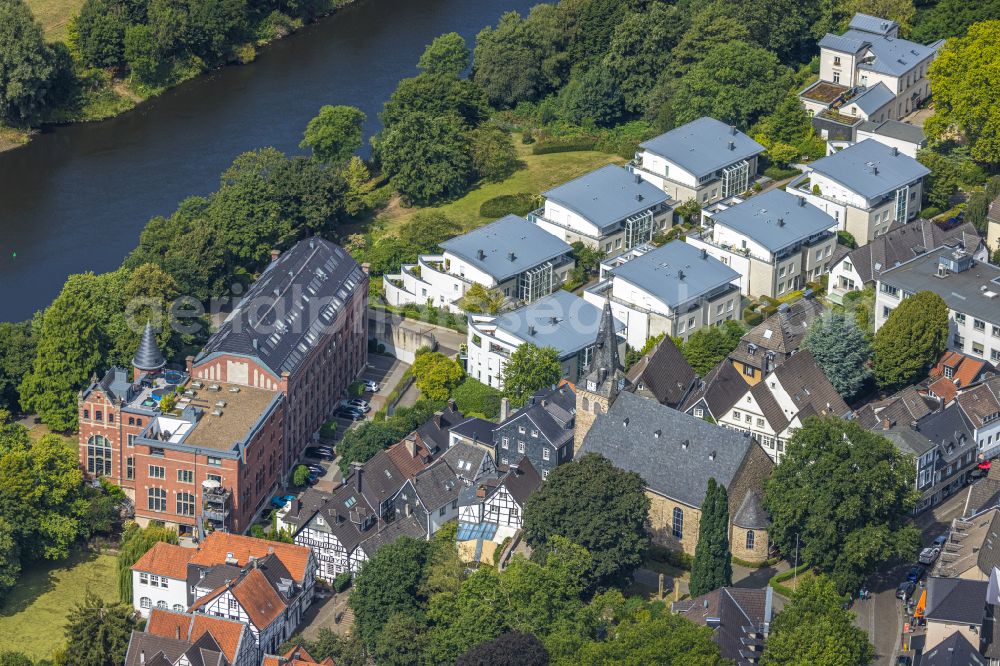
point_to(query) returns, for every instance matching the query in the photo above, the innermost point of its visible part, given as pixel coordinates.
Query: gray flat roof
(658, 272)
(874, 98)
(775, 219)
(607, 195)
(895, 129)
(962, 292)
(561, 320)
(851, 168)
(702, 146)
(529, 244)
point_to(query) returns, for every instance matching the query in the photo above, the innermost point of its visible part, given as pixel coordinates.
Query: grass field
(33, 616)
(540, 172)
(55, 16)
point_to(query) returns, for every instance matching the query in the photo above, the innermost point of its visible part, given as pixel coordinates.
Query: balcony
(216, 505)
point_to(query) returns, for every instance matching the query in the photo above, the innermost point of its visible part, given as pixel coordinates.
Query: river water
(76, 198)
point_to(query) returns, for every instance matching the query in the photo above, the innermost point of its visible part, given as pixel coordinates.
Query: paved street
(882, 616)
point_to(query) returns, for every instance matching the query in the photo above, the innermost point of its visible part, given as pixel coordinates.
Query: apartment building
(511, 255)
(867, 74)
(970, 288)
(609, 209)
(776, 241)
(865, 188)
(705, 160)
(562, 320)
(674, 289)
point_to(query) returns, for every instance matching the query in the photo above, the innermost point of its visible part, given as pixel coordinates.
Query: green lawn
(540, 172)
(55, 16)
(34, 614)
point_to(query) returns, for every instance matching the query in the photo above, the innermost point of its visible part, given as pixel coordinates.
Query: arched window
(157, 499)
(98, 455)
(145, 603)
(161, 604)
(597, 407)
(185, 504)
(678, 528)
(750, 539)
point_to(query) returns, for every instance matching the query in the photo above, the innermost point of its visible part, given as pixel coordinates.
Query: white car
(371, 386)
(928, 555)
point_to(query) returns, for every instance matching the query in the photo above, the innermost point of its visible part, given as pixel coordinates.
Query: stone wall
(661, 521)
(401, 337)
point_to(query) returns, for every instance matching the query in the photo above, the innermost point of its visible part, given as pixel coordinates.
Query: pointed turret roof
(148, 356)
(605, 369)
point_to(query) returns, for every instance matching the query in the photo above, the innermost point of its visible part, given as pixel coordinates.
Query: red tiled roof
(944, 388)
(408, 464)
(168, 624)
(966, 369)
(217, 545)
(165, 559)
(192, 626)
(258, 598)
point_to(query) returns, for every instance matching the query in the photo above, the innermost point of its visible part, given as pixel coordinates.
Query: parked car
(371, 386)
(323, 453)
(940, 541)
(279, 501)
(357, 403)
(318, 469)
(928, 555)
(349, 413)
(313, 478)
(903, 660)
(915, 574)
(905, 590)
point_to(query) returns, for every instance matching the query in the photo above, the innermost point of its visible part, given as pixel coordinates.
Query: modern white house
(867, 74)
(970, 288)
(865, 187)
(511, 255)
(777, 241)
(674, 289)
(561, 320)
(705, 160)
(608, 209)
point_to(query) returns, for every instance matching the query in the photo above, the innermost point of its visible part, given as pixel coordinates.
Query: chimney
(895, 151)
(177, 633)
(437, 419)
(142, 656)
(680, 275)
(802, 201)
(366, 268)
(638, 178)
(275, 254)
(732, 145)
(504, 409)
(704, 253)
(638, 197)
(359, 470)
(886, 424)
(411, 445)
(781, 221)
(732, 130)
(480, 255)
(511, 256)
(711, 456)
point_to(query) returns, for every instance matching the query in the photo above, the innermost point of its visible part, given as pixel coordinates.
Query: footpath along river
(76, 198)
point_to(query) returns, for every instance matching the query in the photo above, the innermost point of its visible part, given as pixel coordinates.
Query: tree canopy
(98, 631)
(447, 54)
(426, 157)
(27, 64)
(593, 503)
(836, 474)
(529, 369)
(708, 346)
(134, 543)
(436, 375)
(712, 560)
(841, 349)
(334, 134)
(911, 339)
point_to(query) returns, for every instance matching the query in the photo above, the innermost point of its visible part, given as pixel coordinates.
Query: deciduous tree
(594, 504)
(135, 541)
(426, 157)
(436, 375)
(640, 50)
(493, 155)
(17, 351)
(334, 134)
(837, 474)
(708, 346)
(910, 340)
(98, 632)
(26, 64)
(712, 560)
(841, 349)
(478, 299)
(529, 369)
(447, 54)
(513, 648)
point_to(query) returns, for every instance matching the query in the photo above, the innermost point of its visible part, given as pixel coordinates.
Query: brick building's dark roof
(780, 333)
(674, 453)
(751, 514)
(288, 310)
(664, 373)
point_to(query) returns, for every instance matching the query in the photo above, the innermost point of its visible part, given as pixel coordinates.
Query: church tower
(604, 380)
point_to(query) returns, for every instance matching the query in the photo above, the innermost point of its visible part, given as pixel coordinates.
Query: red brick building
(249, 404)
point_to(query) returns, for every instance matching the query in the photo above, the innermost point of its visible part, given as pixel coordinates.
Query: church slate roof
(751, 514)
(674, 453)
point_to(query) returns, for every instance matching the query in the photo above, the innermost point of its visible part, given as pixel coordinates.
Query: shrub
(569, 145)
(520, 203)
(675, 558)
(846, 238)
(329, 430)
(753, 318)
(246, 54)
(300, 475)
(342, 581)
(472, 396)
(930, 212)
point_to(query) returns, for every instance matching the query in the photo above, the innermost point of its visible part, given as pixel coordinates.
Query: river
(76, 198)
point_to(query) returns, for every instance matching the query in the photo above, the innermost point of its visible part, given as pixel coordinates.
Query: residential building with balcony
(510, 255)
(776, 241)
(609, 209)
(674, 289)
(865, 188)
(970, 288)
(853, 270)
(705, 160)
(868, 66)
(561, 320)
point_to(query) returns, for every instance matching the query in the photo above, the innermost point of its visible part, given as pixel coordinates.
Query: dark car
(319, 452)
(313, 478)
(905, 590)
(316, 469)
(915, 574)
(903, 660)
(349, 413)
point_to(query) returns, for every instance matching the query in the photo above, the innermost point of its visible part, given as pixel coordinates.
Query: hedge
(564, 145)
(784, 590)
(756, 565)
(752, 318)
(520, 203)
(474, 397)
(342, 581)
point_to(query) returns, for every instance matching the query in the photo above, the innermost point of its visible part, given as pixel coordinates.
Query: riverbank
(101, 96)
